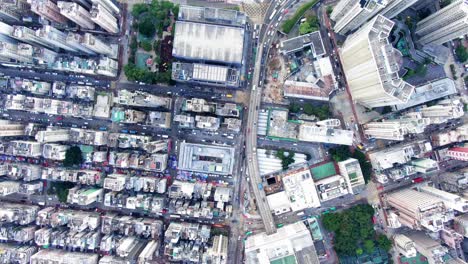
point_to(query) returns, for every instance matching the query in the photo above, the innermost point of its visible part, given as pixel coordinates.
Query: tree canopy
(146, 27)
(353, 229)
(461, 53)
(73, 157)
(286, 158)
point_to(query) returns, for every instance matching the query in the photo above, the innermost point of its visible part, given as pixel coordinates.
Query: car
(103, 128)
(124, 131)
(132, 132)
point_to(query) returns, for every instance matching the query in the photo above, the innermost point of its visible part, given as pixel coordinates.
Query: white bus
(253, 87)
(273, 14)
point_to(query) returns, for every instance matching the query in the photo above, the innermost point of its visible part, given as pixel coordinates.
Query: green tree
(305, 28)
(146, 27)
(384, 243)
(146, 45)
(294, 108)
(444, 3)
(60, 189)
(369, 246)
(329, 10)
(461, 53)
(73, 157)
(138, 9)
(156, 45)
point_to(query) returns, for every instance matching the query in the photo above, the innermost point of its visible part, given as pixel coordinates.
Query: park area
(150, 55)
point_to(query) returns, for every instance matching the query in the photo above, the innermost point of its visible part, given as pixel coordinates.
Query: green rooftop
(323, 171)
(419, 259)
(286, 260)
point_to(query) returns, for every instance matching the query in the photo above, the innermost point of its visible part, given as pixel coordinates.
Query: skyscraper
(351, 14)
(48, 10)
(395, 7)
(75, 40)
(371, 66)
(444, 25)
(76, 13)
(54, 37)
(104, 18)
(95, 44)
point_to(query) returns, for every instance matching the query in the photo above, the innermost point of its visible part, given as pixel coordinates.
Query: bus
(253, 87)
(273, 14)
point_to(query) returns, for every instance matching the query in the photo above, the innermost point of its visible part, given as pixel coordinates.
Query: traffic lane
(51, 77)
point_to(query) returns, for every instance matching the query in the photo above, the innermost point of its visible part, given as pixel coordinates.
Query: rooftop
(205, 42)
(314, 40)
(429, 92)
(206, 158)
(323, 171)
(212, 15)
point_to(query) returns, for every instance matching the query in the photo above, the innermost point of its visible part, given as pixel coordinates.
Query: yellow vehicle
(229, 95)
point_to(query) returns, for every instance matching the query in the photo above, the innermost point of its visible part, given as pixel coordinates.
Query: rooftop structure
(75, 39)
(299, 192)
(137, 98)
(13, 253)
(459, 134)
(63, 257)
(53, 135)
(47, 9)
(97, 45)
(332, 187)
(444, 25)
(205, 42)
(218, 252)
(451, 201)
(428, 247)
(373, 75)
(404, 246)
(104, 18)
(312, 40)
(206, 158)
(429, 92)
(54, 37)
(76, 13)
(159, 119)
(290, 244)
(9, 187)
(84, 196)
(396, 129)
(400, 154)
(207, 122)
(11, 51)
(24, 171)
(150, 162)
(212, 15)
(8, 129)
(316, 86)
(458, 153)
(127, 115)
(54, 151)
(34, 87)
(418, 210)
(312, 133)
(102, 105)
(443, 111)
(23, 148)
(352, 172)
(349, 15)
(206, 74)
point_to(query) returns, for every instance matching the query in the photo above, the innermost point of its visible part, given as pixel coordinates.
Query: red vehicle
(418, 180)
(59, 118)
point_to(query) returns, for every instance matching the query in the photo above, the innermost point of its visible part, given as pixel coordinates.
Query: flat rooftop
(312, 133)
(292, 240)
(323, 171)
(205, 73)
(212, 15)
(206, 158)
(312, 40)
(429, 92)
(206, 42)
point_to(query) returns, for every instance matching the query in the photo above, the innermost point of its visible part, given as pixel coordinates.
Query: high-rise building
(443, 111)
(418, 210)
(101, 16)
(8, 128)
(396, 129)
(444, 25)
(54, 37)
(76, 13)
(352, 172)
(13, 10)
(395, 7)
(27, 35)
(109, 5)
(75, 41)
(450, 200)
(53, 135)
(48, 10)
(95, 44)
(11, 51)
(44, 56)
(107, 66)
(371, 66)
(349, 15)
